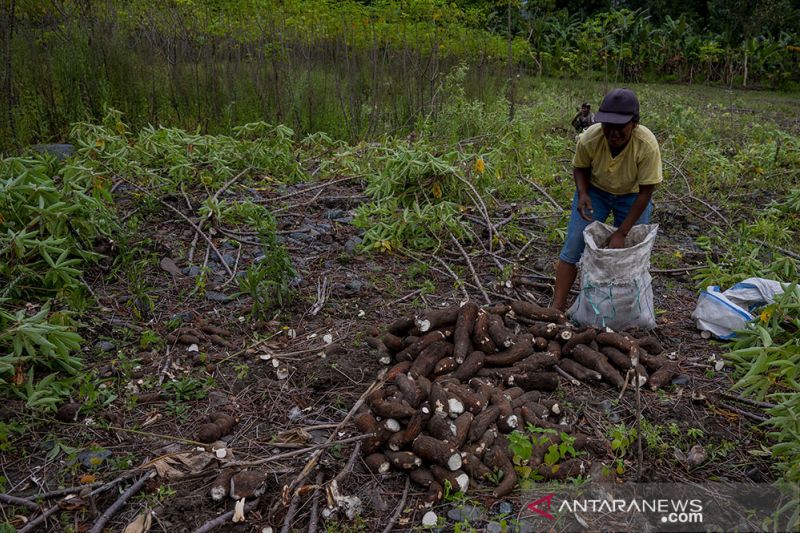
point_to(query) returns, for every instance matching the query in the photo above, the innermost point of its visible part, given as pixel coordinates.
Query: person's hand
(585, 207)
(617, 240)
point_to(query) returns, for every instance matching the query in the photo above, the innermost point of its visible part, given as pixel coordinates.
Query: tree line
(357, 68)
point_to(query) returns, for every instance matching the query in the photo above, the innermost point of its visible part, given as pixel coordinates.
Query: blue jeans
(603, 204)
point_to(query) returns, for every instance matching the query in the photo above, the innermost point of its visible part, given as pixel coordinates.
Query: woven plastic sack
(616, 287)
(722, 313)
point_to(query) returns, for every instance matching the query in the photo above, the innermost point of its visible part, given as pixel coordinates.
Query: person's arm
(617, 239)
(581, 177)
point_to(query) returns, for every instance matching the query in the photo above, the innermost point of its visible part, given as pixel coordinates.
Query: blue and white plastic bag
(722, 313)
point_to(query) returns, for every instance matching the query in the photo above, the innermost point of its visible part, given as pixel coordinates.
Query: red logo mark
(534, 506)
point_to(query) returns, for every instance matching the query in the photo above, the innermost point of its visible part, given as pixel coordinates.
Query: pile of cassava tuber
(465, 377)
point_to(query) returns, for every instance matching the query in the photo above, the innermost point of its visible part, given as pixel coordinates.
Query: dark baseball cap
(619, 106)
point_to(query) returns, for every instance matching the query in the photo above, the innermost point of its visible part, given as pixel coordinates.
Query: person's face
(618, 135)
(584, 111)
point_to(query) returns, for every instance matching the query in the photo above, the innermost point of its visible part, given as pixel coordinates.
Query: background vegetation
(357, 69)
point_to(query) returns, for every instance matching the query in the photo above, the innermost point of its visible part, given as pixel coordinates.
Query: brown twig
(569, 377)
(453, 274)
(120, 503)
(33, 524)
(187, 219)
(471, 268)
(224, 517)
(312, 463)
(315, 187)
(543, 192)
(749, 401)
(397, 512)
(62, 492)
(295, 453)
(22, 502)
(746, 414)
(314, 518)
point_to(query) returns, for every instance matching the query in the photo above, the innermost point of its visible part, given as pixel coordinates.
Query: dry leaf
(297, 435)
(85, 479)
(140, 524)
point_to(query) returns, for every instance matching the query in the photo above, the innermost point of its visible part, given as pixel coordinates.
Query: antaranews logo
(672, 511)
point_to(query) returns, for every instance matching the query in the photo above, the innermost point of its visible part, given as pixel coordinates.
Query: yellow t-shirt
(639, 163)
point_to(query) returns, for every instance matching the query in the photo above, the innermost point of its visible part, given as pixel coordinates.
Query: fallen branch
(223, 518)
(22, 502)
(746, 414)
(314, 519)
(295, 453)
(33, 524)
(312, 463)
(187, 219)
(315, 187)
(62, 492)
(471, 268)
(453, 274)
(543, 192)
(569, 377)
(397, 512)
(120, 503)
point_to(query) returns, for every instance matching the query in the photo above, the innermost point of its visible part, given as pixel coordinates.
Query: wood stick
(567, 376)
(471, 268)
(62, 492)
(312, 463)
(187, 219)
(295, 453)
(314, 519)
(15, 500)
(315, 187)
(33, 524)
(223, 518)
(397, 512)
(120, 503)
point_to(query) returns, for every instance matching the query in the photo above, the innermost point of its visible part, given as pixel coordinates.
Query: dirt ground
(163, 391)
